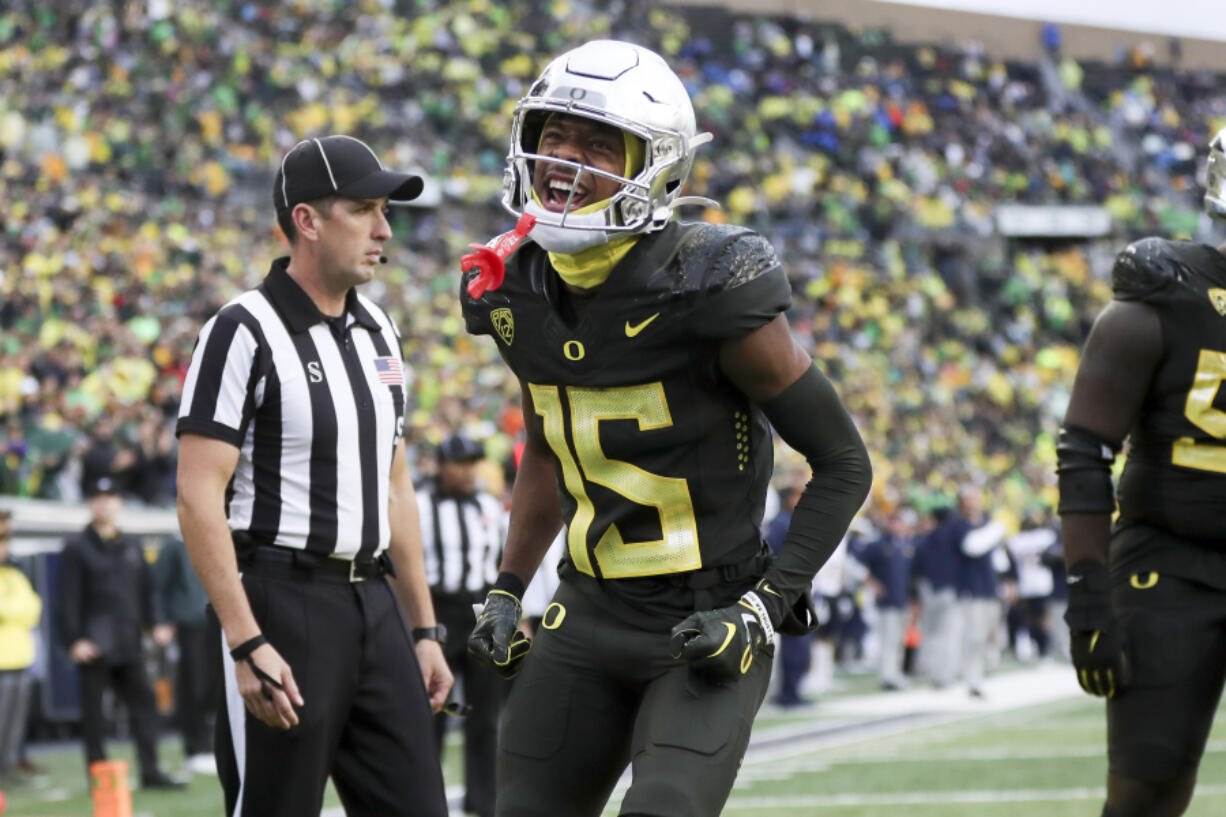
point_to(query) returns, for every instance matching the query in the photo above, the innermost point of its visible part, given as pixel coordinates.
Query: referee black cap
(338, 166)
(458, 448)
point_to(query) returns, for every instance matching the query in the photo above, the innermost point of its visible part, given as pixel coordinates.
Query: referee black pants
(366, 720)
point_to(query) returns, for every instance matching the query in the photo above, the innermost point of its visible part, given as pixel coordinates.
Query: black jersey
(1175, 475)
(662, 464)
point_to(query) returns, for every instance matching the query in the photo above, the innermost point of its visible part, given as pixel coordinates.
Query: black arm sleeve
(810, 417)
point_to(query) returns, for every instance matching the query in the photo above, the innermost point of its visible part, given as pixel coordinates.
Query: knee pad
(666, 801)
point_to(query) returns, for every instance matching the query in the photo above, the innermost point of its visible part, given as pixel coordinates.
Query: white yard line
(916, 798)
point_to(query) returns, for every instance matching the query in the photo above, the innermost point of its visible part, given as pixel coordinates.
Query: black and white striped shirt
(315, 410)
(461, 539)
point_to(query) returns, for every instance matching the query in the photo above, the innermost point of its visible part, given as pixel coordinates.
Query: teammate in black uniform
(1147, 622)
(651, 355)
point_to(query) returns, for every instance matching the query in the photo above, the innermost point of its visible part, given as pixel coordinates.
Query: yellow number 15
(677, 550)
(1210, 371)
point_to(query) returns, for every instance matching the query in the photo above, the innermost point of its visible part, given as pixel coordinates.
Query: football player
(1147, 599)
(651, 353)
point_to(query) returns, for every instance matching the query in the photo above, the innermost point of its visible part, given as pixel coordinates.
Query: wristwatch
(436, 633)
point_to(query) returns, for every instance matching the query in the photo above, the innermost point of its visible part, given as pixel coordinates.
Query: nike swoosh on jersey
(633, 330)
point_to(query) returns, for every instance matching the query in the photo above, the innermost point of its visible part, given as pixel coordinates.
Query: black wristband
(1089, 576)
(243, 651)
(510, 583)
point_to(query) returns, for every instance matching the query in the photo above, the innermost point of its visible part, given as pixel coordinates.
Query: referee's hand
(273, 706)
(435, 672)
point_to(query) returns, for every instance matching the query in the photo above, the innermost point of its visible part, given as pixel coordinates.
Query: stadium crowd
(137, 141)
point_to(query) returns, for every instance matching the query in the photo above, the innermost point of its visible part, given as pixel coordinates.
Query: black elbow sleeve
(1083, 471)
(810, 417)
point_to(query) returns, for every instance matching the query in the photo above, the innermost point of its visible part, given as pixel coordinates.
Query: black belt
(703, 582)
(706, 578)
(304, 565)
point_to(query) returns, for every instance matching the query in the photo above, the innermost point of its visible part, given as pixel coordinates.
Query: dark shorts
(601, 690)
(1175, 630)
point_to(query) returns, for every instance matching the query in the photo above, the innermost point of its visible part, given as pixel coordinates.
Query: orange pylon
(109, 788)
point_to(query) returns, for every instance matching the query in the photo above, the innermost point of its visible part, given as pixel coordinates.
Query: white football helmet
(633, 89)
(1215, 177)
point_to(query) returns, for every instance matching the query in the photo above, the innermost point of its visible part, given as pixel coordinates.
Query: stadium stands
(138, 142)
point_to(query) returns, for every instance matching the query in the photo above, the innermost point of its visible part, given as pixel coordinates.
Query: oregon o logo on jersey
(504, 324)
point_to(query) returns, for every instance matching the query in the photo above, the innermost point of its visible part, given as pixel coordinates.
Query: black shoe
(158, 780)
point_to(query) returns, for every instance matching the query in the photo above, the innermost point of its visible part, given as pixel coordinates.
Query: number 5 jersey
(1175, 475)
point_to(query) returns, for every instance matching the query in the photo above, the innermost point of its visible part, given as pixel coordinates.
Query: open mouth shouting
(560, 192)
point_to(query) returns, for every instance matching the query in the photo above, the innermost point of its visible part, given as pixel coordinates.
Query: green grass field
(1046, 758)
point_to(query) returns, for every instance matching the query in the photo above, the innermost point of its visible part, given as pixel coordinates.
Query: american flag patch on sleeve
(389, 371)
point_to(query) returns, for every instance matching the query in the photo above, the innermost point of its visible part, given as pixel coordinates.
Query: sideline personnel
(291, 422)
(104, 598)
(462, 531)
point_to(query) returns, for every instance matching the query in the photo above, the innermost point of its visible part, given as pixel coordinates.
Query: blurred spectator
(108, 455)
(980, 540)
(183, 601)
(153, 471)
(463, 530)
(838, 630)
(1034, 585)
(794, 650)
(935, 572)
(888, 559)
(1057, 603)
(20, 610)
(104, 598)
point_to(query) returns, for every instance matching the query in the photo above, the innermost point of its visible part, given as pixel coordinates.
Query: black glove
(1097, 645)
(496, 639)
(723, 643)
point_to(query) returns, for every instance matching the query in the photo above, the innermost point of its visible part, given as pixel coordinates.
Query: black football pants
(366, 719)
(1175, 632)
(601, 690)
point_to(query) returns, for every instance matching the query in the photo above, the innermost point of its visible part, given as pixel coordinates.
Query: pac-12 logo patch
(1217, 297)
(504, 324)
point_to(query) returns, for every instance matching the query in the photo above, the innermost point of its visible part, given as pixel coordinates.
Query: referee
(462, 533)
(297, 508)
